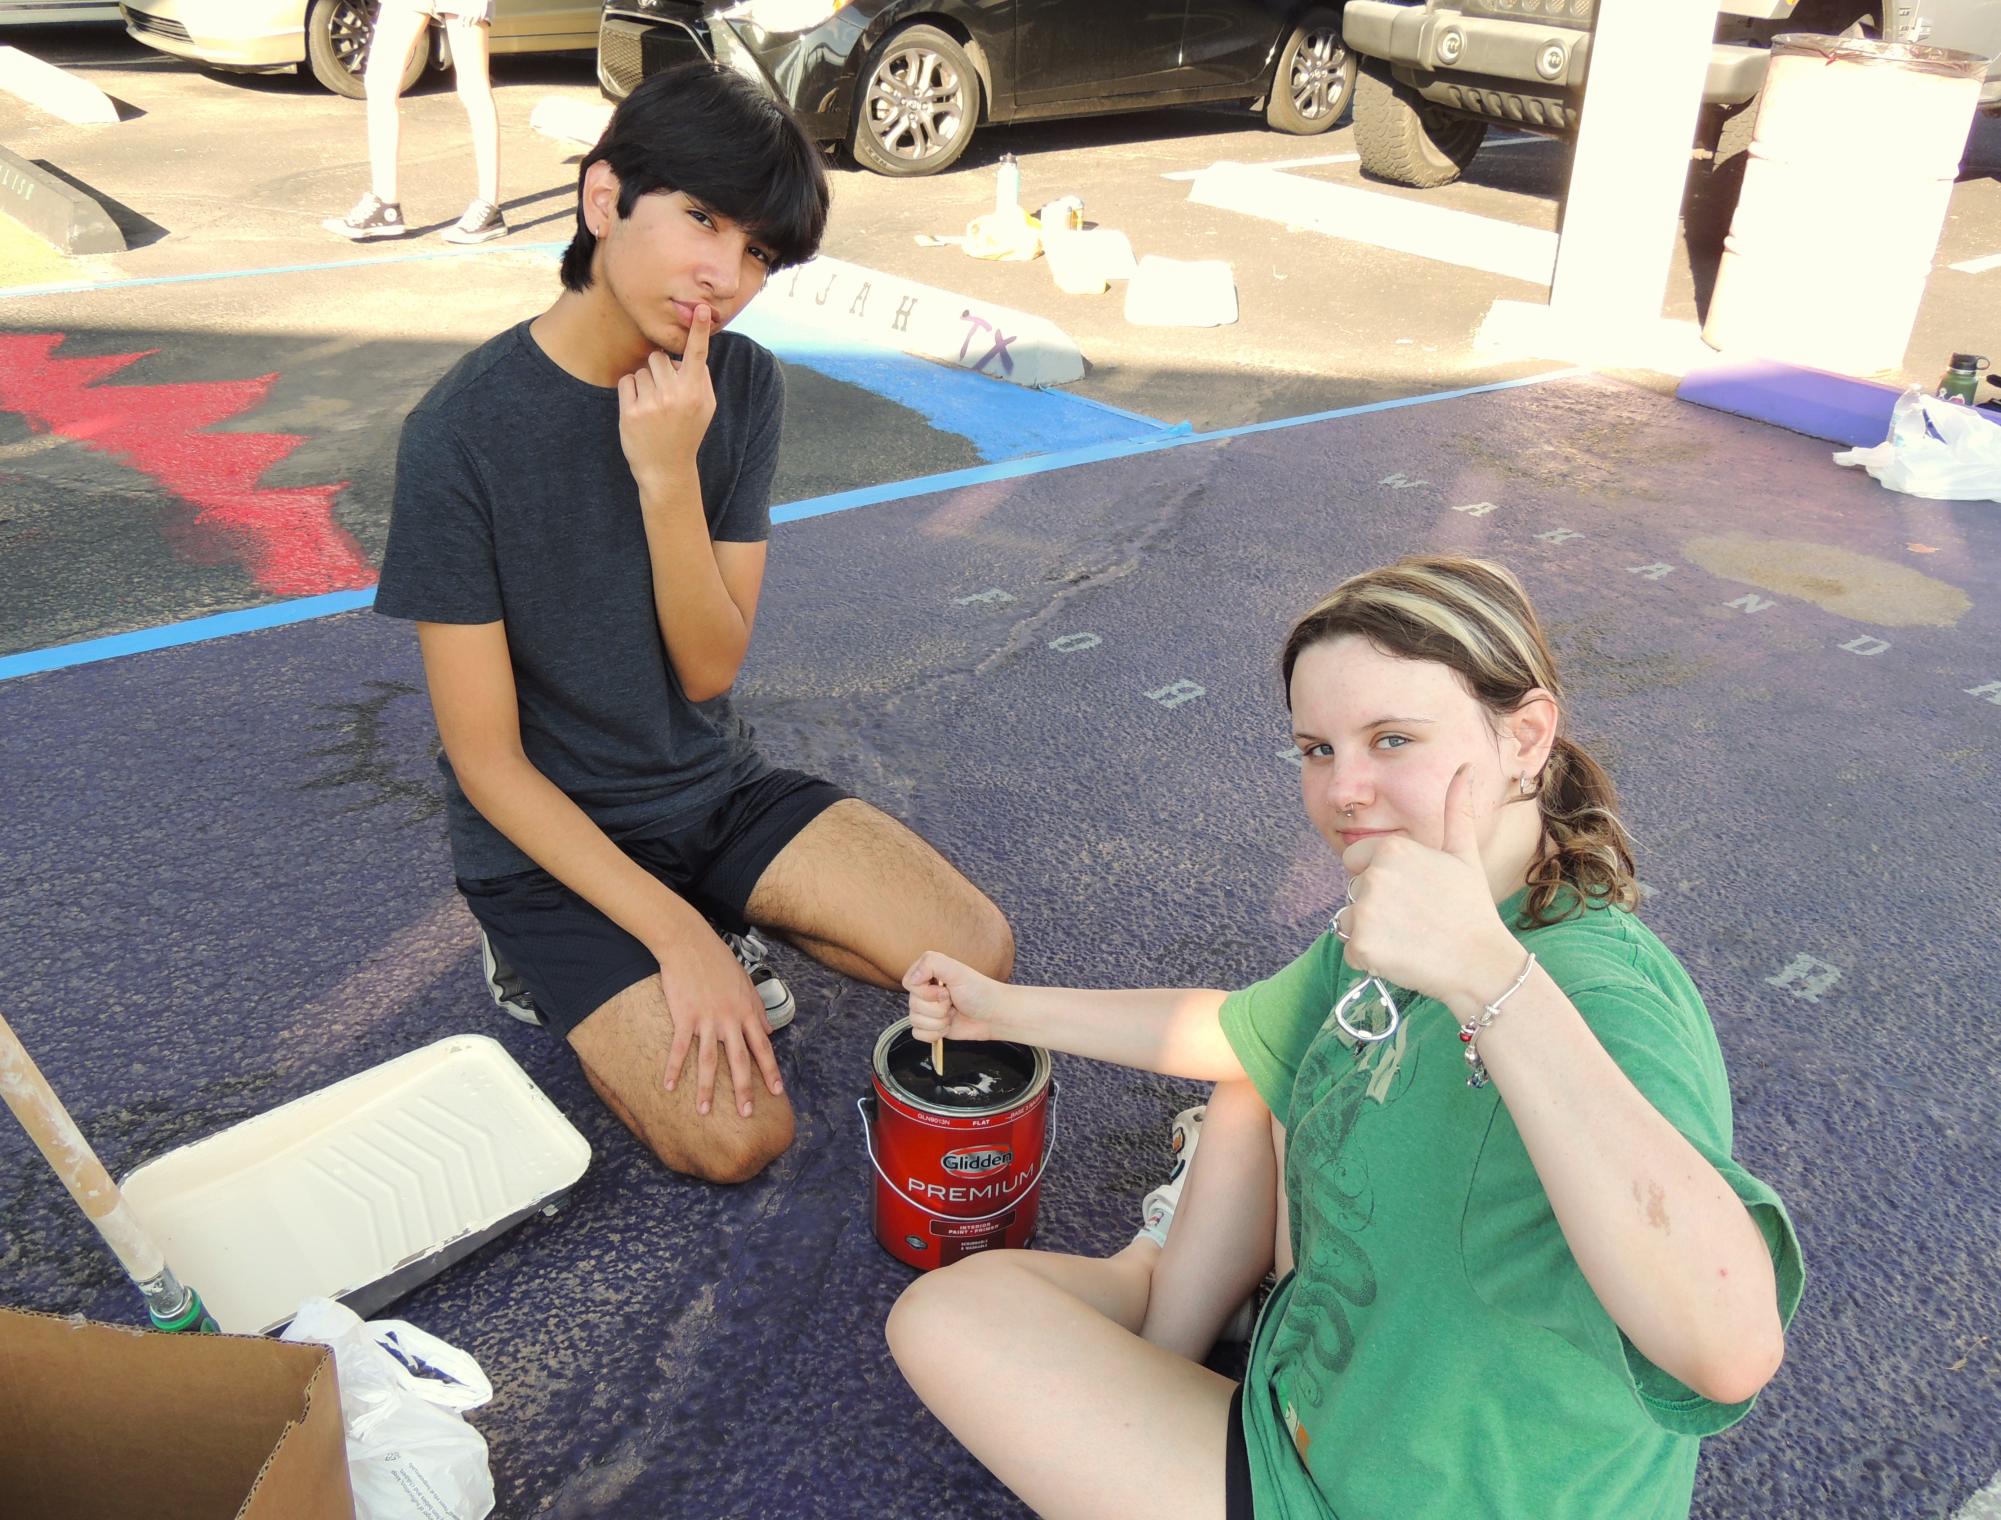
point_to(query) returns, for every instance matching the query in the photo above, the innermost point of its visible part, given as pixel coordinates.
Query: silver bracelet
(1476, 1070)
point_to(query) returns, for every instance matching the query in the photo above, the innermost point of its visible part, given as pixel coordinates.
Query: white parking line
(1978, 266)
(1387, 221)
(1283, 163)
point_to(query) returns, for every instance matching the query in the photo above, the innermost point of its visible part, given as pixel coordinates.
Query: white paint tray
(362, 1190)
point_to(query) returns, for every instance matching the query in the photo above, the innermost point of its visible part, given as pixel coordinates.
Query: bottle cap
(1970, 362)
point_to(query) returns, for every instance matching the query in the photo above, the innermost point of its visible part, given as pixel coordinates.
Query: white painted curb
(1386, 221)
(577, 122)
(883, 309)
(55, 90)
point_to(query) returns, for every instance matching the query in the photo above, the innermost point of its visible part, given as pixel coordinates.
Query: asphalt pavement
(232, 845)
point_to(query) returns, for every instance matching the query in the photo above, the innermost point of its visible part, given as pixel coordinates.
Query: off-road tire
(871, 141)
(1329, 87)
(1404, 138)
(338, 36)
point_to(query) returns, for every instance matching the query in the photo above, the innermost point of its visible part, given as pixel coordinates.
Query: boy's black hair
(713, 135)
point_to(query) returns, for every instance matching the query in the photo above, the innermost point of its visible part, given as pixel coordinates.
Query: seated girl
(1480, 1129)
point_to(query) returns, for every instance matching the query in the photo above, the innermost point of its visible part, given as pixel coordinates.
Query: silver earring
(1527, 788)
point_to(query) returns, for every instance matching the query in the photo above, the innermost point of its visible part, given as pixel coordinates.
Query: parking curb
(57, 91)
(884, 310)
(53, 210)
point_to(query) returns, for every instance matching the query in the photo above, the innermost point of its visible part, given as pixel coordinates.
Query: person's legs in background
(398, 28)
(470, 56)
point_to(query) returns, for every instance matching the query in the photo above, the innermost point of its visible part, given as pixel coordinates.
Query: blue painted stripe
(192, 631)
(1013, 469)
(75, 287)
(195, 630)
(1001, 420)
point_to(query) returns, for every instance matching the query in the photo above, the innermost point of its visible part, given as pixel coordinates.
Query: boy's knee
(734, 1156)
(992, 948)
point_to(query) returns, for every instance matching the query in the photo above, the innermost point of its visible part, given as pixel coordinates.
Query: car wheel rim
(916, 104)
(1319, 68)
(348, 31)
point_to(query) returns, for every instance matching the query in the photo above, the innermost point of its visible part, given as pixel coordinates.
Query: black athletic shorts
(573, 959)
(1236, 1463)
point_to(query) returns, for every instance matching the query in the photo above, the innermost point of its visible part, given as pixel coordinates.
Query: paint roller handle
(34, 1103)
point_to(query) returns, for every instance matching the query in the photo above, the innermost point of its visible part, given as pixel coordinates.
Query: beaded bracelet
(1476, 1073)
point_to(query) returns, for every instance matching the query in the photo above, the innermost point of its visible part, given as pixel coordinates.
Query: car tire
(338, 36)
(1314, 83)
(905, 126)
(1405, 139)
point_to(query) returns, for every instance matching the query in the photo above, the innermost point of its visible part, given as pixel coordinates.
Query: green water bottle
(1961, 382)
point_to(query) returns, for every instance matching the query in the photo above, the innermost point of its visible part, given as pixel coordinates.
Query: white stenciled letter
(1073, 641)
(1559, 535)
(1805, 976)
(1752, 602)
(1173, 696)
(991, 594)
(1478, 508)
(1292, 754)
(1864, 643)
(1652, 572)
(1991, 691)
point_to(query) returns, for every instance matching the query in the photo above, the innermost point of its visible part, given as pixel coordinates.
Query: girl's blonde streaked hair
(1474, 618)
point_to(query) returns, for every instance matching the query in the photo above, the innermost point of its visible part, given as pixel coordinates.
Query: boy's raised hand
(664, 408)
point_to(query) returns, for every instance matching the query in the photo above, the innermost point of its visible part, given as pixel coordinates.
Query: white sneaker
(504, 985)
(1157, 1216)
(779, 1004)
(1156, 1210)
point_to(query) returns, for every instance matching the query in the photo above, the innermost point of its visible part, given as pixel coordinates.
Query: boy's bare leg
(860, 892)
(1219, 1246)
(475, 87)
(397, 29)
(624, 1047)
(1030, 1359)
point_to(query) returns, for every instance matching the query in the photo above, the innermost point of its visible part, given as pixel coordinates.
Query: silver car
(330, 37)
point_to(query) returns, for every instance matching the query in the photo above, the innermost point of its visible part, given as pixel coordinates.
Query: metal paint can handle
(866, 1107)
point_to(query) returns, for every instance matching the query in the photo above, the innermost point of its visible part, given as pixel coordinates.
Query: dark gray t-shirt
(514, 503)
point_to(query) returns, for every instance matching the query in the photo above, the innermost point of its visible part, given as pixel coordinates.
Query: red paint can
(958, 1159)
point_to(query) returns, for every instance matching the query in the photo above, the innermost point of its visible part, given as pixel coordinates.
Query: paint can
(958, 1160)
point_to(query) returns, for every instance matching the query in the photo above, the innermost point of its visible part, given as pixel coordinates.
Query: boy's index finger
(698, 335)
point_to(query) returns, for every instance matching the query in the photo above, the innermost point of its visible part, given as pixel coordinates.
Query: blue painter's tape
(193, 631)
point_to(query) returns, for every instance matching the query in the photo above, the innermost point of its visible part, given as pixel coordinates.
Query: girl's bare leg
(1030, 1359)
(1221, 1243)
(396, 33)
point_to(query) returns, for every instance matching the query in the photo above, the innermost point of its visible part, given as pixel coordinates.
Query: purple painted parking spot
(230, 887)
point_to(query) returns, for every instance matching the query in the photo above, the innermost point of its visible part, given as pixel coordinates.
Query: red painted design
(285, 536)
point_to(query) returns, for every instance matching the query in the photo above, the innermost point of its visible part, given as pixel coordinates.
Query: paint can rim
(893, 1091)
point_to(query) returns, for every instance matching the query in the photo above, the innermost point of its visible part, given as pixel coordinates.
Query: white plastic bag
(403, 1394)
(1935, 449)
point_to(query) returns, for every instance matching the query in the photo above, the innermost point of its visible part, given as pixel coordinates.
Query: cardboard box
(102, 1422)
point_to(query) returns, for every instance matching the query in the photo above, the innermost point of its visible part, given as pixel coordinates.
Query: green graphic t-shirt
(1436, 1350)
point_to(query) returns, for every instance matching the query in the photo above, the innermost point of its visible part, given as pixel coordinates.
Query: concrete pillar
(1642, 95)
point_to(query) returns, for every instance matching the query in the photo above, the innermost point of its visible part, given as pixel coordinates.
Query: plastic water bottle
(1007, 188)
